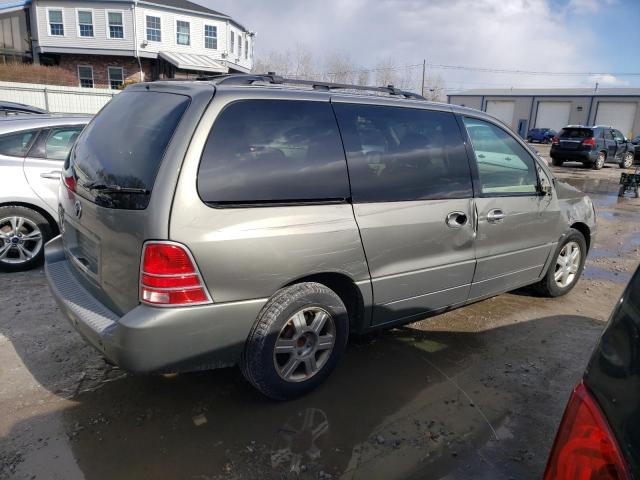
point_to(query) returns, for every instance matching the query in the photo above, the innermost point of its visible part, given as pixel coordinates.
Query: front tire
(565, 271)
(23, 233)
(297, 340)
(600, 161)
(627, 160)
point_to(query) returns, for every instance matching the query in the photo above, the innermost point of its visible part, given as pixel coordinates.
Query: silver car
(32, 151)
(258, 221)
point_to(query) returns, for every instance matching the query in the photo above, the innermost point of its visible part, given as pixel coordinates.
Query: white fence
(57, 99)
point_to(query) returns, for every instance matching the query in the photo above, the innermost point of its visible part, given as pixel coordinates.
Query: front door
(412, 198)
(610, 142)
(517, 226)
(621, 143)
(523, 123)
(44, 162)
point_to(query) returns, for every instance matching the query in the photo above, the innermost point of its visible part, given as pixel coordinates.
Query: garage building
(524, 109)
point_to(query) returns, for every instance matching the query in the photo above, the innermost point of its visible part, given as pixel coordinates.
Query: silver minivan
(259, 221)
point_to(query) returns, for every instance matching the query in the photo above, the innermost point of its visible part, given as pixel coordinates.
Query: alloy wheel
(20, 240)
(600, 160)
(567, 264)
(304, 344)
(627, 162)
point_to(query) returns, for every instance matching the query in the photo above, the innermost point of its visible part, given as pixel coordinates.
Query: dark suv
(593, 146)
(541, 135)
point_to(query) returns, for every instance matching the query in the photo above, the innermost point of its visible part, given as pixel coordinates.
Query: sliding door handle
(495, 216)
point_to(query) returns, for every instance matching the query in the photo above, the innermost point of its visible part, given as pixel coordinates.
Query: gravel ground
(475, 393)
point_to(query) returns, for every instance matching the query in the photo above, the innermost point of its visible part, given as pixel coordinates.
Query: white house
(108, 42)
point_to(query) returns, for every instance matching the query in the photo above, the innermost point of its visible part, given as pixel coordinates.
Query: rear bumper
(150, 339)
(585, 156)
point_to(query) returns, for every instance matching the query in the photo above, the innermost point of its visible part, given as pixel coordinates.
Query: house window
(154, 30)
(233, 42)
(183, 34)
(116, 26)
(210, 36)
(116, 77)
(56, 25)
(246, 49)
(239, 46)
(85, 74)
(85, 23)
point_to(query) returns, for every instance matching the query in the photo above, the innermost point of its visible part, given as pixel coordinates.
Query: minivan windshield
(118, 154)
(576, 133)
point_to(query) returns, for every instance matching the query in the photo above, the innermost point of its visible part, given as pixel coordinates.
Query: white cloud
(517, 34)
(607, 80)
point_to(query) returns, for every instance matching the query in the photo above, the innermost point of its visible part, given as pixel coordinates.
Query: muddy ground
(475, 393)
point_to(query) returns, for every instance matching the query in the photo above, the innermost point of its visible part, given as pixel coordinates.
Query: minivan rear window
(123, 146)
(576, 133)
(274, 151)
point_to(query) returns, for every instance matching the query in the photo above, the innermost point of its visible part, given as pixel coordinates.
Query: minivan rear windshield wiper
(114, 188)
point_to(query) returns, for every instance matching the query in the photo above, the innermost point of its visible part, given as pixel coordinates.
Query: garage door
(502, 110)
(618, 115)
(554, 115)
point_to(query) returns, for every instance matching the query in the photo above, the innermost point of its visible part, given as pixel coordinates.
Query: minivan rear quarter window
(403, 154)
(273, 151)
(123, 147)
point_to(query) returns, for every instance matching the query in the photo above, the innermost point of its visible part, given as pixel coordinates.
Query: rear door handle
(457, 219)
(53, 174)
(495, 216)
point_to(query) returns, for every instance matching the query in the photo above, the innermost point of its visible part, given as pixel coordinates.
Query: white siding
(169, 43)
(71, 38)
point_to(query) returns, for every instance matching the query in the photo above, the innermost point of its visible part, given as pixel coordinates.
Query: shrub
(29, 73)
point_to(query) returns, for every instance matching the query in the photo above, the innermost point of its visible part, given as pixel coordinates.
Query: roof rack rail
(272, 78)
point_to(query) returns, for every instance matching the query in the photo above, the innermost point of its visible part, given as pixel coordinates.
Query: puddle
(409, 404)
(596, 273)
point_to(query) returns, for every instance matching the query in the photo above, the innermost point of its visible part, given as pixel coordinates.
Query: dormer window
(211, 36)
(85, 23)
(183, 32)
(56, 24)
(116, 25)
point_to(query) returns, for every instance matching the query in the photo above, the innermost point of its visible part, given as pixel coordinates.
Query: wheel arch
(350, 294)
(55, 230)
(584, 229)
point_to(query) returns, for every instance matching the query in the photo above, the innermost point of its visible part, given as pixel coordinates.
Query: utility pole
(424, 67)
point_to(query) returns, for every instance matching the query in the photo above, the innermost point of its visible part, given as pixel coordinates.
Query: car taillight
(70, 182)
(585, 447)
(170, 277)
(589, 141)
(555, 141)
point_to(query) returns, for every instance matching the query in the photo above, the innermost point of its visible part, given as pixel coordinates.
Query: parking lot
(474, 393)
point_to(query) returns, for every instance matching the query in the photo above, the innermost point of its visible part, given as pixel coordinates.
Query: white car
(33, 149)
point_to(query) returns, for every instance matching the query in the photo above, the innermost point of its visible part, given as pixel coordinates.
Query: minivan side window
(273, 151)
(403, 154)
(504, 166)
(16, 144)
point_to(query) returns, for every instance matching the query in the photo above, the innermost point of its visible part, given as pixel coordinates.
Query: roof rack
(272, 78)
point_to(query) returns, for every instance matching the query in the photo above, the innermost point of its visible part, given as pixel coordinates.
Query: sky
(599, 36)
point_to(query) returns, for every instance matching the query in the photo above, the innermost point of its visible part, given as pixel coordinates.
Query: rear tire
(627, 160)
(23, 233)
(557, 162)
(550, 286)
(599, 161)
(300, 321)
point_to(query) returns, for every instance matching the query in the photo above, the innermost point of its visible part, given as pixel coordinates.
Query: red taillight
(585, 447)
(555, 141)
(589, 141)
(170, 277)
(70, 182)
